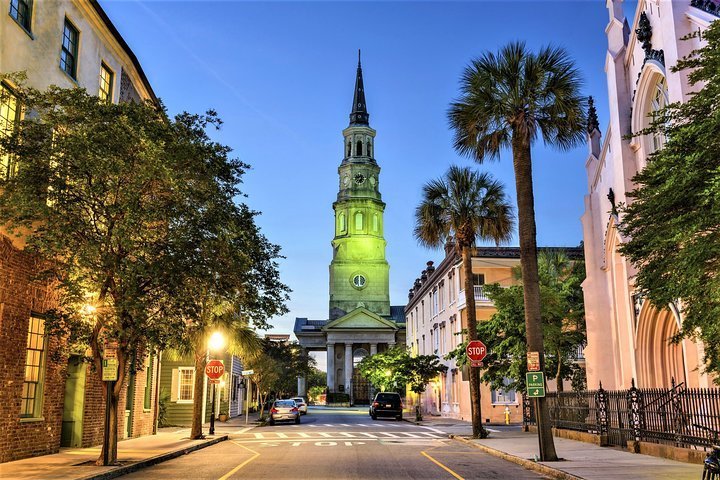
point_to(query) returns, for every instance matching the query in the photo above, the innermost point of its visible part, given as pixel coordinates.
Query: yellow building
(45, 404)
(436, 314)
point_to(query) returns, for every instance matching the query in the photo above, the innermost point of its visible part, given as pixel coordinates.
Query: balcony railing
(480, 296)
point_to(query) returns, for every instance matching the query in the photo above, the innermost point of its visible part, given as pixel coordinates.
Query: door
(74, 400)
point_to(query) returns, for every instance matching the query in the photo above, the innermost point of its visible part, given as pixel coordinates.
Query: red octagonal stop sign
(214, 369)
(476, 351)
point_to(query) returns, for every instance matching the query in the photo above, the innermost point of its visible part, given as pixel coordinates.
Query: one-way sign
(535, 383)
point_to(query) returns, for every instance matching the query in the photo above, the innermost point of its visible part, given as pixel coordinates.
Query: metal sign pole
(247, 403)
(106, 437)
(212, 413)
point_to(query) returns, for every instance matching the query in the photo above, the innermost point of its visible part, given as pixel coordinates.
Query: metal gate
(361, 389)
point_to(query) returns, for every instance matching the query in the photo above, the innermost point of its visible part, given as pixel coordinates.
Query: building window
(434, 339)
(658, 101)
(147, 394)
(341, 222)
(69, 52)
(186, 383)
(106, 83)
(434, 298)
(478, 279)
(358, 221)
(376, 223)
(30, 402)
(359, 281)
(442, 339)
(451, 287)
(503, 396)
(441, 292)
(9, 120)
(358, 148)
(21, 11)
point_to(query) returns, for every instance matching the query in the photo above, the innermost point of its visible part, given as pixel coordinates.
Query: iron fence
(679, 416)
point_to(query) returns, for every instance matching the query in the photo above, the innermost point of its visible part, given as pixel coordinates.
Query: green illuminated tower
(359, 272)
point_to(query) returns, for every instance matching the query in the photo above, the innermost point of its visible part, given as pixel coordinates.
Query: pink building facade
(628, 337)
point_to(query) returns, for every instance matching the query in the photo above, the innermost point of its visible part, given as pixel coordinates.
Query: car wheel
(297, 420)
(399, 417)
(272, 422)
(374, 417)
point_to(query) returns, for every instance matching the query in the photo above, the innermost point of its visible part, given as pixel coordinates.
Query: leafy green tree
(385, 370)
(469, 206)
(563, 321)
(508, 100)
(115, 199)
(673, 221)
(266, 376)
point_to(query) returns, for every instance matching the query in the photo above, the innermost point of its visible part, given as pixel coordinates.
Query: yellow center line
(234, 470)
(441, 466)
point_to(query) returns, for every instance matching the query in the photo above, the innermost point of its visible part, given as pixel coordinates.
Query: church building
(361, 321)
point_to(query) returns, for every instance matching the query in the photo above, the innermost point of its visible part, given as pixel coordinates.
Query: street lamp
(216, 344)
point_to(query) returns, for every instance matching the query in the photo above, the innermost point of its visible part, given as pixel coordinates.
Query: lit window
(21, 11)
(186, 383)
(68, 54)
(30, 404)
(106, 83)
(147, 400)
(9, 118)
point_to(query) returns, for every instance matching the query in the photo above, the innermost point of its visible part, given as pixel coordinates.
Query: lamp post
(216, 343)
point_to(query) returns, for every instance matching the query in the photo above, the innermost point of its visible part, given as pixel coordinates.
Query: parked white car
(301, 404)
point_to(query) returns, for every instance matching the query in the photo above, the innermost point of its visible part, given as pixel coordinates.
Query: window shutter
(174, 386)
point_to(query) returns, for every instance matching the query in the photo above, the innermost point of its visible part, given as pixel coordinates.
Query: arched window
(341, 222)
(358, 148)
(358, 221)
(376, 223)
(658, 101)
(358, 355)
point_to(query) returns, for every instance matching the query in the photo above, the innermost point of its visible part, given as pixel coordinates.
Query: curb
(148, 462)
(523, 462)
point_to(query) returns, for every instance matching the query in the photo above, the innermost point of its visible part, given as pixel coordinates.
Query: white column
(331, 367)
(348, 369)
(373, 348)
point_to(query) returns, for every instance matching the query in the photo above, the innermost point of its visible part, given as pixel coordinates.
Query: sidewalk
(580, 460)
(133, 454)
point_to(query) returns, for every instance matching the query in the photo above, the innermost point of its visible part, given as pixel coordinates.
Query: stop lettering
(214, 369)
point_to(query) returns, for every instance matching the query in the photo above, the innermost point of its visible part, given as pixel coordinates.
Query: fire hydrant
(507, 415)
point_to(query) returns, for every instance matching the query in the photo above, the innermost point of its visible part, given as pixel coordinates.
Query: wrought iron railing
(676, 416)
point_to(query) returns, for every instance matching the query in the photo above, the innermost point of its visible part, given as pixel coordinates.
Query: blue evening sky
(281, 75)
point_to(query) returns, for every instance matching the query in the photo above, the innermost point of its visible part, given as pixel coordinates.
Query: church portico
(361, 321)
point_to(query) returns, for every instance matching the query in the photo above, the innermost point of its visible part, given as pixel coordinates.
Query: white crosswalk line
(303, 434)
(361, 425)
(368, 435)
(326, 435)
(329, 425)
(242, 431)
(391, 435)
(432, 435)
(313, 426)
(259, 435)
(282, 435)
(343, 425)
(346, 434)
(436, 430)
(412, 435)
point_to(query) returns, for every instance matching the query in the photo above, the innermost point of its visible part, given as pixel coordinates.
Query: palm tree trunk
(531, 286)
(478, 431)
(198, 397)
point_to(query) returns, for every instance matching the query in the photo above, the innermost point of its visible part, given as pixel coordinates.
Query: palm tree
(215, 316)
(508, 100)
(467, 205)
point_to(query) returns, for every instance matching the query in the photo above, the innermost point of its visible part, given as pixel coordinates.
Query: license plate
(388, 406)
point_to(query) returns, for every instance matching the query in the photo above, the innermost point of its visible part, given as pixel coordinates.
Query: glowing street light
(216, 342)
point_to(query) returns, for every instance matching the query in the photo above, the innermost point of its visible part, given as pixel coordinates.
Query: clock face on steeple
(359, 178)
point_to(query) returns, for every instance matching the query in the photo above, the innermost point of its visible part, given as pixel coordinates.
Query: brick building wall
(21, 295)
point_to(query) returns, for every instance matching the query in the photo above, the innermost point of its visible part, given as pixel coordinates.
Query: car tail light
(294, 409)
(376, 404)
(274, 410)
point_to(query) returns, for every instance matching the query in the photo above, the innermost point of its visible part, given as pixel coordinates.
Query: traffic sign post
(214, 370)
(533, 361)
(109, 376)
(476, 352)
(535, 384)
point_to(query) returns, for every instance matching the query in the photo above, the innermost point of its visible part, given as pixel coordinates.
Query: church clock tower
(359, 272)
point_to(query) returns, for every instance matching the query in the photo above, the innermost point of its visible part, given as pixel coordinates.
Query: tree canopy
(672, 224)
(394, 369)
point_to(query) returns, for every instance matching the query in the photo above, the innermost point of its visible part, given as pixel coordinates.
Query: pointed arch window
(658, 101)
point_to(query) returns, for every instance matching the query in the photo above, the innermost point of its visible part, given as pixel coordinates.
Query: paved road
(337, 444)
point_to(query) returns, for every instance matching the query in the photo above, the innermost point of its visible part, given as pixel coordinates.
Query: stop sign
(476, 351)
(214, 369)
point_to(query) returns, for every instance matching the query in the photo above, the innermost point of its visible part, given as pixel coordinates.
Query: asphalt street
(337, 444)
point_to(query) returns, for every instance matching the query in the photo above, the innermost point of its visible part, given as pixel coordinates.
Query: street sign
(535, 383)
(247, 372)
(110, 370)
(110, 349)
(214, 381)
(214, 369)
(533, 361)
(476, 351)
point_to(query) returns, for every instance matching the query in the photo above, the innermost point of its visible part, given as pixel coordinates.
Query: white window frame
(181, 383)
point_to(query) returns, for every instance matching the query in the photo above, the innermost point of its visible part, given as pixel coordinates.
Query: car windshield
(299, 400)
(285, 403)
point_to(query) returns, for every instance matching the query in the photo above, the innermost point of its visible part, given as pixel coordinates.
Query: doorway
(74, 401)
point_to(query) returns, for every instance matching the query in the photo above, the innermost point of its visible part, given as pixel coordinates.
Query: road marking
(325, 444)
(329, 425)
(428, 434)
(343, 424)
(436, 430)
(368, 435)
(442, 466)
(234, 470)
(409, 434)
(259, 435)
(391, 435)
(243, 430)
(345, 434)
(326, 435)
(282, 435)
(361, 425)
(303, 434)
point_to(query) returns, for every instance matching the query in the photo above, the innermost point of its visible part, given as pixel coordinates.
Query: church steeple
(359, 114)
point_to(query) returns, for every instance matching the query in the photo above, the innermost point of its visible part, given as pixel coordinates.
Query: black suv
(386, 404)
